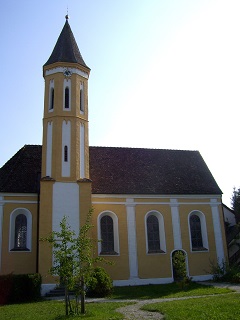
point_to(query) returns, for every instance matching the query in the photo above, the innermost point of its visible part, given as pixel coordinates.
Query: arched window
(67, 98)
(81, 102)
(108, 234)
(65, 153)
(155, 233)
(52, 99)
(20, 241)
(198, 231)
(20, 235)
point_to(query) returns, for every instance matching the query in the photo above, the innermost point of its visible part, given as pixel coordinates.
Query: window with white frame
(67, 94)
(81, 97)
(198, 231)
(20, 230)
(108, 234)
(155, 233)
(51, 95)
(66, 98)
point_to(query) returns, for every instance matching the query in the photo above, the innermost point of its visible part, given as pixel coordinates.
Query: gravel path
(133, 312)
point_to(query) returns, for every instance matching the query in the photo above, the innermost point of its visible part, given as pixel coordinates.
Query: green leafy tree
(73, 261)
(235, 201)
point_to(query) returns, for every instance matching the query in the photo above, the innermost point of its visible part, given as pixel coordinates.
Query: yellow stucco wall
(16, 261)
(160, 265)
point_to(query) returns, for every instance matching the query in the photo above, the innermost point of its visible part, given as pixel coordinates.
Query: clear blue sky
(164, 74)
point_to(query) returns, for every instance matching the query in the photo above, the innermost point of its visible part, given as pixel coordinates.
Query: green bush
(100, 284)
(225, 273)
(6, 282)
(25, 288)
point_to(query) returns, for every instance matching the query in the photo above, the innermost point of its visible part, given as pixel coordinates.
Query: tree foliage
(235, 201)
(73, 261)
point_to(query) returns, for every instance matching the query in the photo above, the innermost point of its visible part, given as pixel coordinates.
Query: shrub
(25, 288)
(179, 269)
(100, 284)
(225, 272)
(5, 288)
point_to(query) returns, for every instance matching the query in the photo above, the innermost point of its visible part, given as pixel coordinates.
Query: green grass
(208, 308)
(171, 290)
(54, 310)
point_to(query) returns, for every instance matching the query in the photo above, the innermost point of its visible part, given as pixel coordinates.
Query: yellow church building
(148, 203)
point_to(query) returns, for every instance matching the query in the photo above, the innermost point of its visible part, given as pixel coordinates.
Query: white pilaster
(176, 224)
(66, 141)
(217, 231)
(82, 151)
(1, 228)
(132, 239)
(49, 149)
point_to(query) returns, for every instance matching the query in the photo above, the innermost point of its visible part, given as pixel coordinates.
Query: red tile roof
(120, 171)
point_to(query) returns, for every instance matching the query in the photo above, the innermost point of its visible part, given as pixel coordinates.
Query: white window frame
(115, 231)
(203, 230)
(67, 84)
(13, 216)
(51, 87)
(81, 98)
(162, 237)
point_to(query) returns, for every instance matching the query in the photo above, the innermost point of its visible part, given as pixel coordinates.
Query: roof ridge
(134, 148)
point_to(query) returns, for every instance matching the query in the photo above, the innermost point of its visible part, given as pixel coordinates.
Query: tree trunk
(66, 300)
(82, 296)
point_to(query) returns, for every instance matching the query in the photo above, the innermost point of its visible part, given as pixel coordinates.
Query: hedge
(18, 288)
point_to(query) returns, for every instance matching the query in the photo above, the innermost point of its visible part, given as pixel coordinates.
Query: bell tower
(65, 155)
(65, 187)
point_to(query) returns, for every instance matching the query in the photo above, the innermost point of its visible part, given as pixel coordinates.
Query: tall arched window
(52, 99)
(65, 153)
(198, 231)
(81, 97)
(20, 233)
(67, 98)
(108, 233)
(155, 233)
(20, 240)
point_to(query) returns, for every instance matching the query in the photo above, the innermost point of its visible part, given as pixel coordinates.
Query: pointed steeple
(66, 48)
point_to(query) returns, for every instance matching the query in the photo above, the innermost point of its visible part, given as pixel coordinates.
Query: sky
(164, 74)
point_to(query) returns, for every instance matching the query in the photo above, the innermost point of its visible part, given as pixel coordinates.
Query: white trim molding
(176, 224)
(217, 231)
(63, 69)
(139, 282)
(82, 151)
(49, 149)
(132, 238)
(66, 142)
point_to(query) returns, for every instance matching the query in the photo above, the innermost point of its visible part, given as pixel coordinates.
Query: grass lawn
(208, 308)
(171, 290)
(55, 310)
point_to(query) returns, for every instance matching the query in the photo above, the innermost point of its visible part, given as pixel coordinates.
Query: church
(147, 203)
